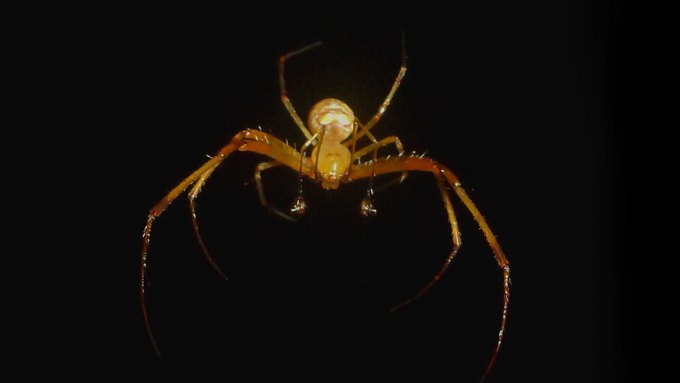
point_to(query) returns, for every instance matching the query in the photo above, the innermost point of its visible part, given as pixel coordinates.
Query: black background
(528, 103)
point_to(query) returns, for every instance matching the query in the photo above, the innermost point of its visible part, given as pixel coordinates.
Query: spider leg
(502, 260)
(367, 206)
(299, 205)
(397, 81)
(353, 143)
(412, 163)
(246, 140)
(384, 142)
(284, 93)
(455, 235)
(195, 190)
(154, 213)
(260, 190)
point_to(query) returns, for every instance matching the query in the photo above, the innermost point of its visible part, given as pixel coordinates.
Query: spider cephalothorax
(333, 131)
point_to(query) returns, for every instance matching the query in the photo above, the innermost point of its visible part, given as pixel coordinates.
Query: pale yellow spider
(332, 130)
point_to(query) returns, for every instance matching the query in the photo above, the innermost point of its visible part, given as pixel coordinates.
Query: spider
(332, 131)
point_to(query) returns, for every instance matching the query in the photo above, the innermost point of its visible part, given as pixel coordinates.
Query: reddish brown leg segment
(247, 140)
(156, 211)
(195, 190)
(502, 260)
(455, 236)
(412, 163)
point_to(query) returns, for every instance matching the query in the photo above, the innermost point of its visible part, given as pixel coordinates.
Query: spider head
(334, 116)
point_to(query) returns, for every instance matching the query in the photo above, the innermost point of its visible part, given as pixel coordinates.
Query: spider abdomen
(334, 117)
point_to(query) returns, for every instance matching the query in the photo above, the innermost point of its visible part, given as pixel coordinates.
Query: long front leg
(455, 236)
(195, 191)
(412, 163)
(502, 260)
(247, 140)
(159, 208)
